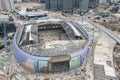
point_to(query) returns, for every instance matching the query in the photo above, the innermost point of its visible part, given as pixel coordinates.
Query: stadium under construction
(51, 45)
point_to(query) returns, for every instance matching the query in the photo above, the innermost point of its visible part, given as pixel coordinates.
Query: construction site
(116, 57)
(58, 45)
(52, 41)
(114, 25)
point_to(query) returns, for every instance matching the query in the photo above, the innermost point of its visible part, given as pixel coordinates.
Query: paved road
(107, 31)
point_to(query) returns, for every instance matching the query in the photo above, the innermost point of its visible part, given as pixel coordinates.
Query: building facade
(67, 5)
(83, 5)
(54, 4)
(7, 5)
(42, 1)
(93, 3)
(119, 8)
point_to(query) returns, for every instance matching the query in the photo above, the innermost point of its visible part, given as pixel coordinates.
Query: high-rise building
(54, 4)
(76, 3)
(83, 5)
(119, 8)
(42, 1)
(26, 0)
(93, 3)
(7, 5)
(67, 5)
(47, 4)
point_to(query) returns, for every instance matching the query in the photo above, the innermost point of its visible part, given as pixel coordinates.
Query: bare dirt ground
(36, 5)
